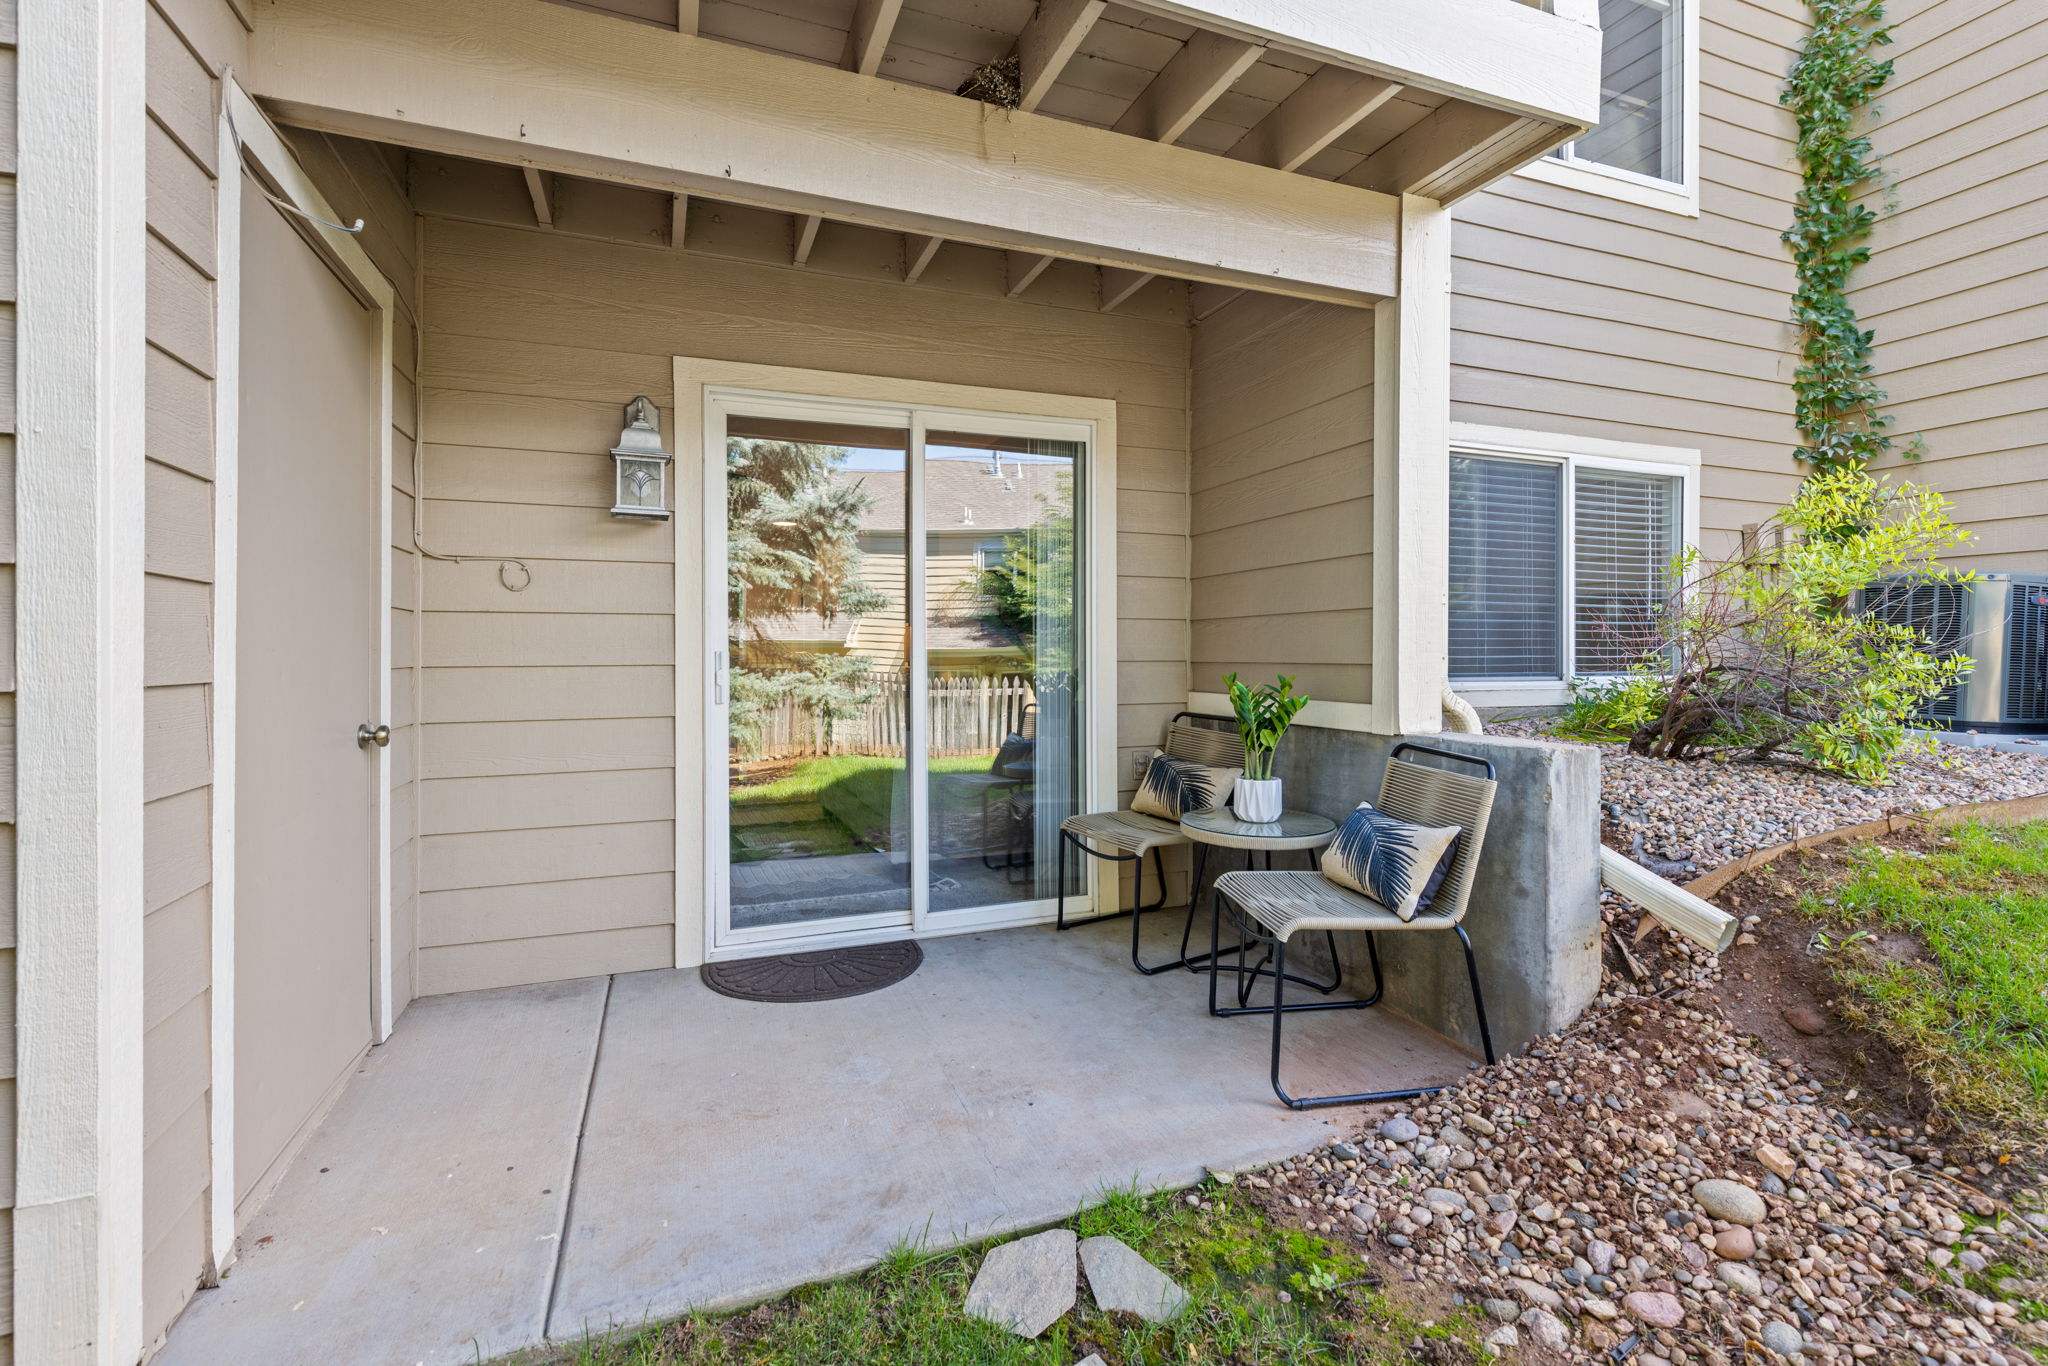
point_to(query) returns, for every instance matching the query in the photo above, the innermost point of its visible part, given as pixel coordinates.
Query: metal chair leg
(1478, 1000)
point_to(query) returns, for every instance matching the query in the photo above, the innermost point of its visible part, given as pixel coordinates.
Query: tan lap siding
(1280, 562)
(1577, 313)
(547, 804)
(1957, 288)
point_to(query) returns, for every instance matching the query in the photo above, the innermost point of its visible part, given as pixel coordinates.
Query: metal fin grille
(2026, 653)
(1938, 611)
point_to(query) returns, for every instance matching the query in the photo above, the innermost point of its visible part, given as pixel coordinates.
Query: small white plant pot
(1257, 800)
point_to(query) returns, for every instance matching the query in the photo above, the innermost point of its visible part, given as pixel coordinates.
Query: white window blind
(1641, 91)
(1625, 531)
(1507, 568)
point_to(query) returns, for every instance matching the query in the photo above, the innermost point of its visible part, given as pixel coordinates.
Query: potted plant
(1263, 715)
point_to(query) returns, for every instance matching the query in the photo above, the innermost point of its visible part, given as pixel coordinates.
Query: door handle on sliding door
(721, 677)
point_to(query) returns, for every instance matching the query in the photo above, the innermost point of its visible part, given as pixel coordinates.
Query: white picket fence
(970, 715)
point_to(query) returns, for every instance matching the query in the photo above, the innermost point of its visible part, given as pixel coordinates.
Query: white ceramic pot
(1257, 799)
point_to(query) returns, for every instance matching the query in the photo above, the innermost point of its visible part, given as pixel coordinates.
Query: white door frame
(247, 136)
(705, 391)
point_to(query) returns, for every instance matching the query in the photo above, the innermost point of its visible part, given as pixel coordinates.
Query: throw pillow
(1173, 787)
(1395, 862)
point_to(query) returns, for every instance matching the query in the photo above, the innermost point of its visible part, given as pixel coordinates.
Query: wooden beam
(873, 22)
(1020, 268)
(1494, 52)
(537, 190)
(1325, 106)
(918, 251)
(1048, 43)
(1430, 155)
(1118, 285)
(806, 237)
(529, 83)
(687, 15)
(1206, 65)
(1206, 301)
(678, 220)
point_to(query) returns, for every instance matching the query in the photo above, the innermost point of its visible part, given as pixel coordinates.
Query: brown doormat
(822, 975)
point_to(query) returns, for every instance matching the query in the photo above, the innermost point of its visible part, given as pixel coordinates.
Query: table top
(1294, 830)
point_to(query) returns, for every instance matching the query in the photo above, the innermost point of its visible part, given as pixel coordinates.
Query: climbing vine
(1837, 404)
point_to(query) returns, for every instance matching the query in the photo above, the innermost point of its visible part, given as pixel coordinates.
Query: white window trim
(1586, 452)
(1680, 196)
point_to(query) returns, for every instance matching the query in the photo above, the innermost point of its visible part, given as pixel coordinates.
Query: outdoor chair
(1271, 908)
(1127, 836)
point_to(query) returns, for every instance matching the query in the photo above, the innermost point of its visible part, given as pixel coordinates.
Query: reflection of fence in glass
(970, 714)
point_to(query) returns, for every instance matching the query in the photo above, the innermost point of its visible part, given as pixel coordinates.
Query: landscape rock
(1026, 1285)
(1740, 1276)
(1730, 1200)
(1654, 1307)
(1545, 1329)
(1776, 1161)
(1503, 1339)
(1736, 1244)
(1806, 1021)
(1783, 1338)
(1400, 1129)
(1120, 1279)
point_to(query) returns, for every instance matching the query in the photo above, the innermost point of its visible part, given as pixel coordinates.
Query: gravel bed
(1646, 1188)
(1683, 819)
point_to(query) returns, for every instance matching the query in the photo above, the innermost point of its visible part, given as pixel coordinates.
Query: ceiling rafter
(1049, 42)
(873, 22)
(1206, 66)
(678, 220)
(1425, 160)
(918, 251)
(1020, 269)
(687, 16)
(805, 237)
(1325, 107)
(1119, 285)
(537, 190)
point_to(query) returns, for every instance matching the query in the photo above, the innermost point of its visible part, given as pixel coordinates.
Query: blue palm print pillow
(1173, 787)
(1395, 862)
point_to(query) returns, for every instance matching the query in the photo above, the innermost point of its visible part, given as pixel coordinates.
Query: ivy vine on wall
(1837, 404)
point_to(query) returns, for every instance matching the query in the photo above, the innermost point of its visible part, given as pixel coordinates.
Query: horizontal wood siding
(1957, 286)
(1580, 314)
(7, 801)
(548, 720)
(1280, 544)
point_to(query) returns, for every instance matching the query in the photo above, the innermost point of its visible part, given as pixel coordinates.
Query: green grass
(1235, 1265)
(1971, 1016)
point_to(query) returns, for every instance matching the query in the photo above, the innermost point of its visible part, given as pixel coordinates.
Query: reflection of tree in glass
(1035, 581)
(793, 547)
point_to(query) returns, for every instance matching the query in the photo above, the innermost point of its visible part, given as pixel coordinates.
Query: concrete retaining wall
(1535, 909)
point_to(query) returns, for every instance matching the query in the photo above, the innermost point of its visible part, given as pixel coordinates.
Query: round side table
(1219, 827)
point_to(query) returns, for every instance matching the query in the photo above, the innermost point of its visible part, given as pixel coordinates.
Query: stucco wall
(549, 729)
(1280, 555)
(1957, 285)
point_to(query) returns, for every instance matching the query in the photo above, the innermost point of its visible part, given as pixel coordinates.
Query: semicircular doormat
(821, 975)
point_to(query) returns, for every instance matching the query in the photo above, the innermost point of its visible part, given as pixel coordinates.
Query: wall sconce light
(640, 466)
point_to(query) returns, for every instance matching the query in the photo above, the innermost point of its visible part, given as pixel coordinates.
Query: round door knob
(367, 735)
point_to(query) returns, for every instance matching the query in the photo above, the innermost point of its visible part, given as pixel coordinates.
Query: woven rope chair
(1127, 836)
(1271, 908)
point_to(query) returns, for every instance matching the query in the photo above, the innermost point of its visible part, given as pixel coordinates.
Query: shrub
(1760, 652)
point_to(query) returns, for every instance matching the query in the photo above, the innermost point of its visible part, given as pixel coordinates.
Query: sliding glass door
(899, 686)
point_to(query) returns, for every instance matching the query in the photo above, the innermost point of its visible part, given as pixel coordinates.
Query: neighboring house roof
(962, 495)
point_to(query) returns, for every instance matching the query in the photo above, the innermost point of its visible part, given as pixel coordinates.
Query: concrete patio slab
(732, 1150)
(420, 1222)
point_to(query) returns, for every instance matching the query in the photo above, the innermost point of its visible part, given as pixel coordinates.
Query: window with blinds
(1559, 568)
(1625, 532)
(1507, 563)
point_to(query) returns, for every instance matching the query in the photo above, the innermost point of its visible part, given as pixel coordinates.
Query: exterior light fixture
(640, 465)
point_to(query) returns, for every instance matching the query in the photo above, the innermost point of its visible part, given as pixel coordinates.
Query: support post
(77, 1254)
(1411, 478)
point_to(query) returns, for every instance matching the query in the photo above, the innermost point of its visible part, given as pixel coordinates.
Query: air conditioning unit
(2001, 622)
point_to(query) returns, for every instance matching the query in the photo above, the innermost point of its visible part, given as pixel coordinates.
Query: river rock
(1730, 1200)
(1783, 1338)
(1654, 1307)
(1776, 1161)
(1400, 1129)
(1737, 1244)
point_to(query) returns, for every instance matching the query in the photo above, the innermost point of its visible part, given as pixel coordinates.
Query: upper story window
(1646, 140)
(1560, 564)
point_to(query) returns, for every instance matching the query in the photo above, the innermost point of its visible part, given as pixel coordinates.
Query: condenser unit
(2001, 622)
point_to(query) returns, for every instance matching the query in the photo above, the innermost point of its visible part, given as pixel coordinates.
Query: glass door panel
(1002, 664)
(819, 657)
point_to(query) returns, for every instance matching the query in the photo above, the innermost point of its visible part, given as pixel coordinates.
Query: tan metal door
(307, 645)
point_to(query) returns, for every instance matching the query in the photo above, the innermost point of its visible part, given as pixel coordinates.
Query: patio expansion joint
(554, 1279)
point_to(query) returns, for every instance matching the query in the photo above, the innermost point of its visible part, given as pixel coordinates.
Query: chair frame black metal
(1249, 933)
(1137, 907)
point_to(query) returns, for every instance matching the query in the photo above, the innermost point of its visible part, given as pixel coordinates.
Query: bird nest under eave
(1000, 82)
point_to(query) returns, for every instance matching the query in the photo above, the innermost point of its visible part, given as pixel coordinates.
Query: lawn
(838, 804)
(1969, 1011)
(1260, 1295)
